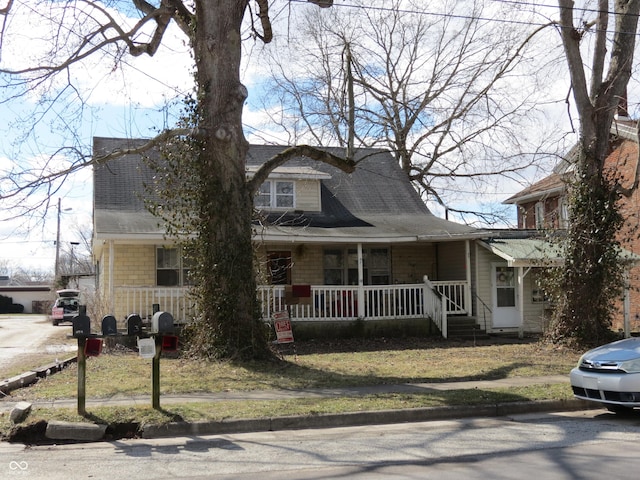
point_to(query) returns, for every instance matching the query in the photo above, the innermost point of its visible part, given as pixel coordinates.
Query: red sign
(57, 313)
(282, 324)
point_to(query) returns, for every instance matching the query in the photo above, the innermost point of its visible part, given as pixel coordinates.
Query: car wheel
(619, 409)
(55, 323)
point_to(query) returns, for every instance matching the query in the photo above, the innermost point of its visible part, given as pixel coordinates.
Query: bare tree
(229, 324)
(444, 89)
(592, 279)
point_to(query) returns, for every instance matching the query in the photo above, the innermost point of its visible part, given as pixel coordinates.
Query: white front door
(505, 311)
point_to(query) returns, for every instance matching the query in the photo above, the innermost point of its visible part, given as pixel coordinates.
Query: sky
(133, 98)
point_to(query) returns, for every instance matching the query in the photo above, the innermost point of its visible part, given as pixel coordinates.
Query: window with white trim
(276, 194)
(341, 266)
(172, 269)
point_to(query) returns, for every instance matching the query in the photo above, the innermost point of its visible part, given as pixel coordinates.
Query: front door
(505, 312)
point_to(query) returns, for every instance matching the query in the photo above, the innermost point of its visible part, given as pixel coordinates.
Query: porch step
(464, 328)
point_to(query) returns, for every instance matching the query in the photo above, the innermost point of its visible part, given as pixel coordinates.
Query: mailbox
(109, 325)
(81, 326)
(162, 322)
(134, 324)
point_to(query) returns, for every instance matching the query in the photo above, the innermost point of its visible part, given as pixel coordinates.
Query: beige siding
(411, 263)
(307, 267)
(135, 265)
(483, 285)
(308, 195)
(533, 312)
(451, 261)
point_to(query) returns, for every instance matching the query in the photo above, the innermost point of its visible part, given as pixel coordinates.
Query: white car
(610, 375)
(66, 306)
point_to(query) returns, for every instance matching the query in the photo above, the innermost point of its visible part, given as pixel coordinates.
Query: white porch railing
(457, 295)
(433, 300)
(140, 300)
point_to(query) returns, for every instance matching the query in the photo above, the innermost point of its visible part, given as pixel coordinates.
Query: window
(505, 287)
(172, 270)
(276, 194)
(564, 213)
(341, 266)
(539, 214)
(279, 267)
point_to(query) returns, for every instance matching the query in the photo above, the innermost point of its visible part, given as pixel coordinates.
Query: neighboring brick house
(543, 206)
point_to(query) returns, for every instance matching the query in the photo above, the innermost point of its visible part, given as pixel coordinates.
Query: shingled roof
(375, 203)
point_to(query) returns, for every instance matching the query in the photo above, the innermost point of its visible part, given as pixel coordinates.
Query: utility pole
(57, 265)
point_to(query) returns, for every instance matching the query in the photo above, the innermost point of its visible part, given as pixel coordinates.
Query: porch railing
(457, 295)
(140, 300)
(433, 300)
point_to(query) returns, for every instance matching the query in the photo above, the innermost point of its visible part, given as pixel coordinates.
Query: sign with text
(282, 325)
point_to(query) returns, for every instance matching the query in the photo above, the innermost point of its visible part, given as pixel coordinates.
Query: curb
(27, 378)
(178, 429)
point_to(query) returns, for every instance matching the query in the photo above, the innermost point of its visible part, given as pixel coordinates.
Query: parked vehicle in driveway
(610, 375)
(65, 306)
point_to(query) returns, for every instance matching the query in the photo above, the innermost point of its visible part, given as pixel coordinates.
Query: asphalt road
(20, 334)
(578, 445)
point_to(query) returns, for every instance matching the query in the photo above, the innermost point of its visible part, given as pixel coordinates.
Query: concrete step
(464, 327)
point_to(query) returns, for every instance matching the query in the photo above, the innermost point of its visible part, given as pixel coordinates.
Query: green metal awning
(535, 252)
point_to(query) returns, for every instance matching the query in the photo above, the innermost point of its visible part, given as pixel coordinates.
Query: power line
(471, 17)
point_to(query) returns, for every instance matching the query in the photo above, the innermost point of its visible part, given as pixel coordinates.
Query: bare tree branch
(346, 165)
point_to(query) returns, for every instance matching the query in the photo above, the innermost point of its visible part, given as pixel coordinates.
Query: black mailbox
(162, 322)
(134, 324)
(109, 325)
(81, 326)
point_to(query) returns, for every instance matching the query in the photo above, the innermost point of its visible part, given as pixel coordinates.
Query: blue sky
(121, 100)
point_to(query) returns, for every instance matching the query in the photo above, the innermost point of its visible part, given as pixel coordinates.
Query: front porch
(328, 303)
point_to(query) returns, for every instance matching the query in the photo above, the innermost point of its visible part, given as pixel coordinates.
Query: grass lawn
(322, 364)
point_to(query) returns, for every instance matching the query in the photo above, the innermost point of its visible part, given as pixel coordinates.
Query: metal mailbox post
(162, 323)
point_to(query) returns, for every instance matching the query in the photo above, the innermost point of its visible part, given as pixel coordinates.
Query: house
(332, 247)
(543, 206)
(336, 250)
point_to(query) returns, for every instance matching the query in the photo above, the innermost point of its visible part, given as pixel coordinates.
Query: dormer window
(276, 194)
(290, 188)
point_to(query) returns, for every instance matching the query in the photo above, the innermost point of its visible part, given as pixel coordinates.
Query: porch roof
(525, 252)
(536, 252)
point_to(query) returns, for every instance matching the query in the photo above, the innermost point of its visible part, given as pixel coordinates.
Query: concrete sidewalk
(92, 432)
(167, 399)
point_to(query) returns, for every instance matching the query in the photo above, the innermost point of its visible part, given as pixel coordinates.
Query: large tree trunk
(229, 325)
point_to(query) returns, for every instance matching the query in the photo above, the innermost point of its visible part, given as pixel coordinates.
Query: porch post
(467, 294)
(360, 283)
(111, 286)
(627, 306)
(520, 301)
